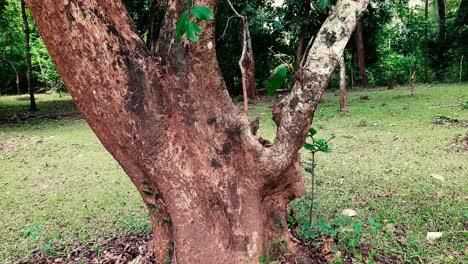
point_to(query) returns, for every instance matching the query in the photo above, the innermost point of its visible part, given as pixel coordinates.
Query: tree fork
(212, 188)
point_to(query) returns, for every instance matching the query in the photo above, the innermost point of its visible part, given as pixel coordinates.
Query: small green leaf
(189, 3)
(312, 132)
(202, 13)
(277, 79)
(182, 25)
(358, 227)
(309, 146)
(192, 30)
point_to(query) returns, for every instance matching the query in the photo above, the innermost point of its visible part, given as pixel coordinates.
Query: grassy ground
(59, 187)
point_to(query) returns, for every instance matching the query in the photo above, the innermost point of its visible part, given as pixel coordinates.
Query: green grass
(54, 173)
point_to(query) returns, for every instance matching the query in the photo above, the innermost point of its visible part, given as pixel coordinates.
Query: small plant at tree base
(185, 25)
(315, 146)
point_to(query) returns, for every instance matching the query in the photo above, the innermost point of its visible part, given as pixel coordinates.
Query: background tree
(213, 190)
(246, 61)
(27, 55)
(441, 38)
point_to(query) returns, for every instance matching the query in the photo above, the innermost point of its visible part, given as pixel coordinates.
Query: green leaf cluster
(185, 24)
(317, 145)
(277, 78)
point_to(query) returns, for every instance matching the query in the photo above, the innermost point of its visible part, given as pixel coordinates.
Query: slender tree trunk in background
(353, 74)
(461, 68)
(360, 52)
(246, 62)
(426, 42)
(158, 8)
(391, 83)
(305, 29)
(413, 75)
(16, 73)
(24, 15)
(442, 37)
(215, 193)
(343, 103)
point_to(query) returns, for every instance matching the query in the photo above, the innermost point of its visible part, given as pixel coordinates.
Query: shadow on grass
(15, 109)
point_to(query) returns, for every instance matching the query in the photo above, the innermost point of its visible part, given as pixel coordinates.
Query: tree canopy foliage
(394, 34)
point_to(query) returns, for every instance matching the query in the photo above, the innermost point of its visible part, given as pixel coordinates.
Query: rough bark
(168, 120)
(27, 35)
(413, 75)
(343, 101)
(360, 53)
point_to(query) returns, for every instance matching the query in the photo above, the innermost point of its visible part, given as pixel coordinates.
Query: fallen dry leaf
(433, 235)
(401, 240)
(327, 246)
(438, 177)
(391, 227)
(349, 212)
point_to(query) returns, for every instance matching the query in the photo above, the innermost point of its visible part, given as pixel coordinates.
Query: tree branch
(298, 108)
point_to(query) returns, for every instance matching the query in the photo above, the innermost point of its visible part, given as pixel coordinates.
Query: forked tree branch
(295, 113)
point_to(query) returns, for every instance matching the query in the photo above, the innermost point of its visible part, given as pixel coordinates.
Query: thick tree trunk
(24, 15)
(361, 57)
(343, 101)
(442, 37)
(214, 191)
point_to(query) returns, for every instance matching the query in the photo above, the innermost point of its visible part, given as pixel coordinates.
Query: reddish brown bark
(168, 120)
(360, 53)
